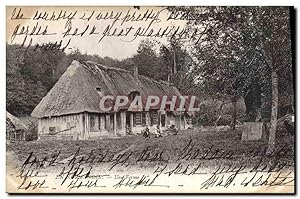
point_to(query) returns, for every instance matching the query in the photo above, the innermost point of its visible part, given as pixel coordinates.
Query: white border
(118, 2)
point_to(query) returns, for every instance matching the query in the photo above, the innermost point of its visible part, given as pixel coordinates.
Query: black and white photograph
(150, 99)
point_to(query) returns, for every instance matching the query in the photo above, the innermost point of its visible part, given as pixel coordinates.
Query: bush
(31, 123)
(32, 133)
(209, 110)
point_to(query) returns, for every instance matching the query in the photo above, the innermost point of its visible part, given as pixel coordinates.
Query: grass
(172, 146)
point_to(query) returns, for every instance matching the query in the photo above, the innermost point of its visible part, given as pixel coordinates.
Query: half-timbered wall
(62, 127)
(86, 126)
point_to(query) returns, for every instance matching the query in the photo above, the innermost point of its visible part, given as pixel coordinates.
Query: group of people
(158, 133)
(146, 132)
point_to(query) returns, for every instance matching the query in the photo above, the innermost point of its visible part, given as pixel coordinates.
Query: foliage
(209, 112)
(237, 49)
(147, 60)
(32, 73)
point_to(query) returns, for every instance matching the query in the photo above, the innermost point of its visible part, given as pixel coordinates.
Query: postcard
(141, 99)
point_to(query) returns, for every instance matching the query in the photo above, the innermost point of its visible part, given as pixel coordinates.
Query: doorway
(163, 120)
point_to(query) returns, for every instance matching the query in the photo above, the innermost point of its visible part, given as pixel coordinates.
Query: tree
(220, 52)
(30, 75)
(15, 87)
(273, 24)
(33, 72)
(175, 62)
(231, 40)
(147, 59)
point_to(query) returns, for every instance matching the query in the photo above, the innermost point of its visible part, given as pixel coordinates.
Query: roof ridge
(127, 71)
(107, 67)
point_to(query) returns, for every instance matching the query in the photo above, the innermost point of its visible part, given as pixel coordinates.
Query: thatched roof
(76, 92)
(13, 123)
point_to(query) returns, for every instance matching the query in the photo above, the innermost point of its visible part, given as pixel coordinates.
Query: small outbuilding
(15, 128)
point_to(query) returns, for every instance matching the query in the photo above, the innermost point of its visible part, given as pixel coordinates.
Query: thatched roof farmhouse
(71, 108)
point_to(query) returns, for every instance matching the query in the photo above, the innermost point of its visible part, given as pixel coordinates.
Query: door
(163, 120)
(128, 119)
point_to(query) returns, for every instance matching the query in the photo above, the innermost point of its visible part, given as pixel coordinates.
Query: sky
(20, 22)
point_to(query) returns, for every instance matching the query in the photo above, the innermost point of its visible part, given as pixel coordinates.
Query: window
(92, 122)
(139, 119)
(154, 118)
(52, 130)
(144, 119)
(98, 89)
